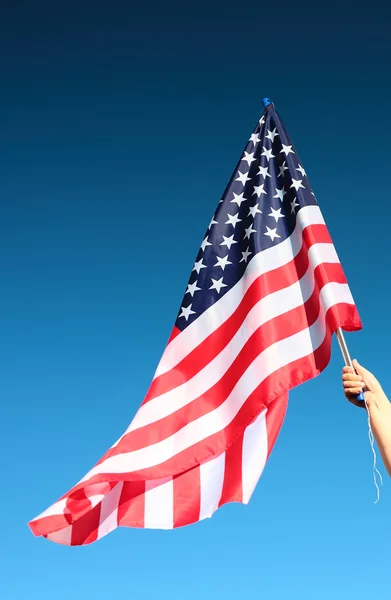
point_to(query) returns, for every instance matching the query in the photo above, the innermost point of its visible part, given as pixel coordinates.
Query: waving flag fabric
(264, 297)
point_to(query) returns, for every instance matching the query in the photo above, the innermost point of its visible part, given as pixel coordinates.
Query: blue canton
(258, 210)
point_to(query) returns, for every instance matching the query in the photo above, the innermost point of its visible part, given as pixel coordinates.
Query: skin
(379, 407)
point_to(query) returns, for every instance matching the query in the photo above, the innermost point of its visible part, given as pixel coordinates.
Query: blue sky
(120, 127)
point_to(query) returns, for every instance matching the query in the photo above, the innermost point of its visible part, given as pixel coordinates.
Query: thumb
(359, 369)
(371, 383)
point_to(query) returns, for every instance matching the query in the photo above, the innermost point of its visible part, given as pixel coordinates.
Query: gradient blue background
(120, 125)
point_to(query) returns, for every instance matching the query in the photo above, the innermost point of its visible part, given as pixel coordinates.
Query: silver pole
(344, 348)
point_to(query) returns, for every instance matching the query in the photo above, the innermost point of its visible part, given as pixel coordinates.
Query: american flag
(264, 297)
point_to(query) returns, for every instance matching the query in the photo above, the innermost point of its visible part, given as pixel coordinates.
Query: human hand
(358, 379)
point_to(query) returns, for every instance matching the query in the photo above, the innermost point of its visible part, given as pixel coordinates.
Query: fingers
(353, 383)
(352, 390)
(348, 370)
(352, 377)
(353, 387)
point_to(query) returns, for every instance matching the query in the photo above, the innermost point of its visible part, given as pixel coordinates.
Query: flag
(264, 297)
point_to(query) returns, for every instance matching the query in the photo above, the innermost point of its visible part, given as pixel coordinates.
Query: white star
(294, 205)
(245, 255)
(282, 169)
(186, 312)
(300, 168)
(276, 214)
(249, 231)
(238, 198)
(228, 241)
(280, 194)
(272, 233)
(249, 158)
(222, 262)
(198, 265)
(258, 190)
(192, 288)
(297, 184)
(205, 243)
(264, 171)
(217, 285)
(254, 138)
(233, 220)
(267, 153)
(254, 210)
(272, 134)
(213, 222)
(262, 120)
(242, 177)
(287, 149)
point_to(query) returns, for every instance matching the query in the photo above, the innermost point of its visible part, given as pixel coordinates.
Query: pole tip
(266, 103)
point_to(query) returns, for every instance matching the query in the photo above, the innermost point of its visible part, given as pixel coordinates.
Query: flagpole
(267, 103)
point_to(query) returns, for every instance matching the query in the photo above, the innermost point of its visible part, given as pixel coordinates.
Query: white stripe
(108, 520)
(211, 483)
(159, 504)
(272, 359)
(267, 308)
(55, 509)
(218, 313)
(63, 536)
(254, 455)
(95, 499)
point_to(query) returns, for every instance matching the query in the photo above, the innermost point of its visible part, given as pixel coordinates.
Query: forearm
(381, 427)
(356, 378)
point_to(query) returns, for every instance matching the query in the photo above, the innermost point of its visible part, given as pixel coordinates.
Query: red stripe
(187, 497)
(232, 485)
(274, 419)
(131, 508)
(173, 335)
(85, 530)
